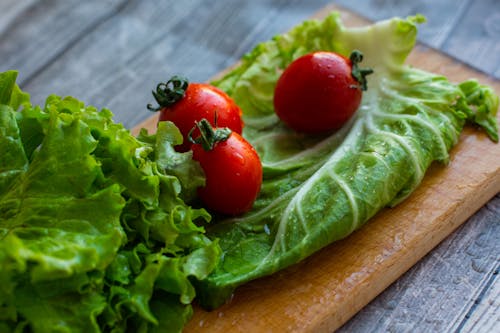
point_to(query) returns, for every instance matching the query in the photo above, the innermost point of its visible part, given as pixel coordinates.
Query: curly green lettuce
(95, 234)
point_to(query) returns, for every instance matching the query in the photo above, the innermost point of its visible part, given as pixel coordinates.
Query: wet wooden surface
(111, 53)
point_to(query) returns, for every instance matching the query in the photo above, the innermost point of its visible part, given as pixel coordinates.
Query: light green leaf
(320, 189)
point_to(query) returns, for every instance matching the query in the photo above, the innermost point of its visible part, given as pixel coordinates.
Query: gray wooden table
(110, 53)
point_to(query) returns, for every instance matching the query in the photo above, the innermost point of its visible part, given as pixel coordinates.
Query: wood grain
(54, 37)
(456, 297)
(324, 291)
(111, 53)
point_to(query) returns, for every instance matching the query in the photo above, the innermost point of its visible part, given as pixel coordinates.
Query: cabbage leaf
(317, 190)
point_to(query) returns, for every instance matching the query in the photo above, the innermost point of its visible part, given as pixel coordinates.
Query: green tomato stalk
(209, 136)
(170, 92)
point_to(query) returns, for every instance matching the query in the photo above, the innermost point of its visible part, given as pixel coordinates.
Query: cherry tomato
(320, 91)
(185, 103)
(233, 170)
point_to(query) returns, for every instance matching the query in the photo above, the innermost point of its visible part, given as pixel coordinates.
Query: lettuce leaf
(317, 190)
(94, 232)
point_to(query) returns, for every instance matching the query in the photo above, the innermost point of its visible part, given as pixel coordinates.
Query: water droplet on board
(431, 292)
(478, 266)
(482, 240)
(390, 305)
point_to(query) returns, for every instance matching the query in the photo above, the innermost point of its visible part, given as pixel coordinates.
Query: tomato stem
(170, 92)
(209, 136)
(359, 73)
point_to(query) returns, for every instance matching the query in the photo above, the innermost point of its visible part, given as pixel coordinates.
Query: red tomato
(233, 173)
(320, 91)
(185, 103)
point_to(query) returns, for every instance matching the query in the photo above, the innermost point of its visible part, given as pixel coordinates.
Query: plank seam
(478, 299)
(73, 42)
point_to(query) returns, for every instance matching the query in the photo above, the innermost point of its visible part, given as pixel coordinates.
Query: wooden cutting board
(322, 292)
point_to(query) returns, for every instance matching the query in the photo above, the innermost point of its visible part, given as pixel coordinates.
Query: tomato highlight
(320, 91)
(232, 168)
(185, 103)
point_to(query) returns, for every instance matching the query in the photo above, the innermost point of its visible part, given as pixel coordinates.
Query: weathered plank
(475, 37)
(455, 287)
(484, 315)
(34, 34)
(11, 10)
